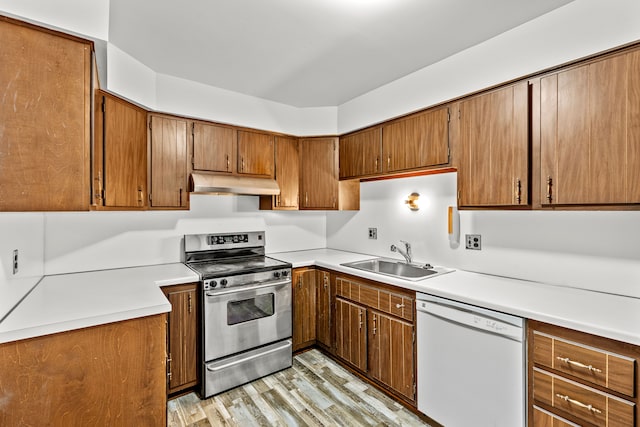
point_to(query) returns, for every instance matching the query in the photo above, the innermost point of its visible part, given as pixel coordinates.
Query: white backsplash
(84, 241)
(595, 250)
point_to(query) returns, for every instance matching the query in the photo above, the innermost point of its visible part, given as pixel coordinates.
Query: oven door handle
(286, 344)
(249, 288)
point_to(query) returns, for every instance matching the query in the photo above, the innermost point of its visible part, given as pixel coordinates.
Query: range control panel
(218, 239)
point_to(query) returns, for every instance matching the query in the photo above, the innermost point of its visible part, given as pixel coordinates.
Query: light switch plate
(373, 233)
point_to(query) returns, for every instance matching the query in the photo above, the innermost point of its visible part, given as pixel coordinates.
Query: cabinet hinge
(448, 116)
(193, 128)
(149, 197)
(414, 389)
(449, 153)
(104, 106)
(413, 337)
(150, 119)
(459, 114)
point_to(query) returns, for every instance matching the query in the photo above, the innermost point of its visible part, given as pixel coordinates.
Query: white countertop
(71, 301)
(612, 316)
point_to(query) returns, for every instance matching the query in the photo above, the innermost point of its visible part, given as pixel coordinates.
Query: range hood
(208, 183)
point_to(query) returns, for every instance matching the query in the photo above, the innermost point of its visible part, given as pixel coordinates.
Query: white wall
(24, 232)
(580, 28)
(592, 250)
(82, 241)
(129, 77)
(88, 18)
(180, 96)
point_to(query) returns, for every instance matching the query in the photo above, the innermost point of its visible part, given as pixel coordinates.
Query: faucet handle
(406, 244)
(393, 248)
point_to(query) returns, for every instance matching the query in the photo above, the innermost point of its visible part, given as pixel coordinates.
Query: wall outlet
(473, 241)
(373, 233)
(15, 261)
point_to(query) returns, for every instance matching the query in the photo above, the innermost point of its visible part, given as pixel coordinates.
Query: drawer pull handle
(578, 364)
(578, 403)
(399, 305)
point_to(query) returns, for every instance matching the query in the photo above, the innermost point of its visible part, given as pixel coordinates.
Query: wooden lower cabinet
(111, 374)
(581, 379)
(323, 309)
(304, 307)
(375, 332)
(390, 358)
(182, 337)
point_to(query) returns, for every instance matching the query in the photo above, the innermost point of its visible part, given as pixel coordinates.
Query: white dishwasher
(471, 364)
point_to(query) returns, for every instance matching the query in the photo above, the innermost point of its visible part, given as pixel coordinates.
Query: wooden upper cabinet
(418, 141)
(318, 173)
(494, 134)
(287, 171)
(45, 118)
(590, 133)
(360, 153)
(214, 147)
(255, 153)
(120, 155)
(168, 140)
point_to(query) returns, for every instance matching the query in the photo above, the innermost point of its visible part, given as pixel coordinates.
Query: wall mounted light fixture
(412, 201)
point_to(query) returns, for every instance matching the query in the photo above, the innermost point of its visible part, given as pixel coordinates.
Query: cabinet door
(120, 171)
(323, 301)
(495, 147)
(418, 141)
(304, 308)
(588, 146)
(44, 120)
(318, 173)
(182, 337)
(391, 350)
(168, 162)
(351, 333)
(360, 154)
(214, 147)
(255, 153)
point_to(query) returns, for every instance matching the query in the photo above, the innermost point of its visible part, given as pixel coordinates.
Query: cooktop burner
(231, 266)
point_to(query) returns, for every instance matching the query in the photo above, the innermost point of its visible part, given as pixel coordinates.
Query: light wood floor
(314, 392)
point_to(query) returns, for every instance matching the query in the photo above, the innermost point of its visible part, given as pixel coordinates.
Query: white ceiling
(307, 53)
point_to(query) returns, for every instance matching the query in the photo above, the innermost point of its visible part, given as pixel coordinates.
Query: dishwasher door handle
(471, 319)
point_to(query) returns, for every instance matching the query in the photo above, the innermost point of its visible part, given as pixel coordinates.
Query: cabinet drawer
(591, 364)
(585, 403)
(388, 302)
(542, 418)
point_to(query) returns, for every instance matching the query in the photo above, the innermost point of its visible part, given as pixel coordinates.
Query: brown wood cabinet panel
(318, 173)
(45, 119)
(120, 156)
(287, 173)
(351, 333)
(495, 148)
(113, 374)
(255, 153)
(542, 418)
(360, 153)
(633, 129)
(168, 138)
(588, 363)
(304, 308)
(589, 125)
(323, 302)
(582, 402)
(182, 337)
(390, 352)
(418, 141)
(214, 147)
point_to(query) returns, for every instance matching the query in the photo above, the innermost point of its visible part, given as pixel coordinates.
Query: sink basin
(395, 268)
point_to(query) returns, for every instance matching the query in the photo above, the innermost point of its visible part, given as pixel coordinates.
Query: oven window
(250, 309)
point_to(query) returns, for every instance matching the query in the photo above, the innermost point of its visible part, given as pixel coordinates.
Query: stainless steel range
(246, 308)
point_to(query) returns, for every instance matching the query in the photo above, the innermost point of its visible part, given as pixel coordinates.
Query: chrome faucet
(406, 252)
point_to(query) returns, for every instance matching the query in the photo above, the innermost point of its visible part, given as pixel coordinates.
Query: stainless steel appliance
(471, 364)
(246, 308)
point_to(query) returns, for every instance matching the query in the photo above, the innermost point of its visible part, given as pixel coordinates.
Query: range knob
(276, 274)
(285, 273)
(213, 284)
(223, 283)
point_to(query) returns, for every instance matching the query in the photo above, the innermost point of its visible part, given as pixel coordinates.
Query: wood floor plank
(315, 391)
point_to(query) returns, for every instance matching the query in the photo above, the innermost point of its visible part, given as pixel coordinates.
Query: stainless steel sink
(396, 268)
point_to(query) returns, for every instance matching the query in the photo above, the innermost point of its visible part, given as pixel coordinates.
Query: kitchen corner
(67, 302)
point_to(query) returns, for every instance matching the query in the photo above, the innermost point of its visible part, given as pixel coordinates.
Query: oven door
(241, 318)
